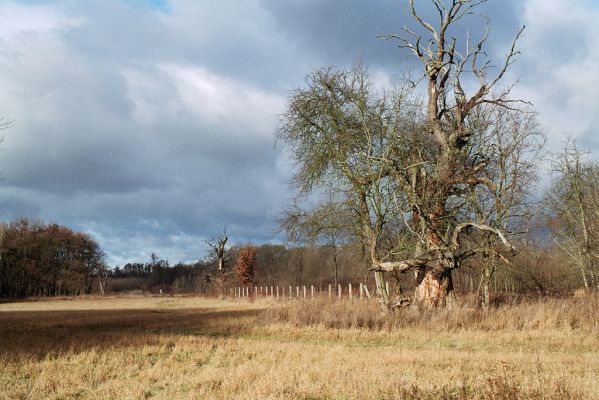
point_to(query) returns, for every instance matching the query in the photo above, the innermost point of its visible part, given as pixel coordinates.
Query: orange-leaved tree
(245, 268)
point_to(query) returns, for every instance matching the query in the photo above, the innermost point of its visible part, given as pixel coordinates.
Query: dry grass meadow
(198, 348)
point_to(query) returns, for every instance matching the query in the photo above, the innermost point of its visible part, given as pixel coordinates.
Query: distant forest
(40, 259)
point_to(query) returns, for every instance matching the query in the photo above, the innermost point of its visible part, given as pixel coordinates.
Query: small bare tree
(329, 224)
(513, 147)
(573, 201)
(103, 276)
(219, 251)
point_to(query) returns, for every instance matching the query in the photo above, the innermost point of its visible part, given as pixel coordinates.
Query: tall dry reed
(580, 313)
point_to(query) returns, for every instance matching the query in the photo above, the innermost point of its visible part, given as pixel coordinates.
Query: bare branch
(483, 227)
(422, 22)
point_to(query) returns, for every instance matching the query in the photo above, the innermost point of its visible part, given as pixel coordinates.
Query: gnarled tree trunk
(434, 289)
(381, 291)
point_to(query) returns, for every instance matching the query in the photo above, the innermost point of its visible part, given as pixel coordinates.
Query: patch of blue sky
(159, 5)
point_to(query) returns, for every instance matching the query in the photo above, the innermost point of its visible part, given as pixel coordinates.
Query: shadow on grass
(39, 334)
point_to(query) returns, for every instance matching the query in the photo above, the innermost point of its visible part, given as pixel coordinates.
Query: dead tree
(435, 187)
(219, 251)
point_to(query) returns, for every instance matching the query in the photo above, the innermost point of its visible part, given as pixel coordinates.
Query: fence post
(330, 291)
(339, 290)
(247, 291)
(272, 292)
(361, 291)
(290, 293)
(297, 291)
(277, 292)
(304, 292)
(312, 290)
(350, 293)
(255, 292)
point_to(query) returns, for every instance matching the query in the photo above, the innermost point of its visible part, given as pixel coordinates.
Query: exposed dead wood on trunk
(438, 182)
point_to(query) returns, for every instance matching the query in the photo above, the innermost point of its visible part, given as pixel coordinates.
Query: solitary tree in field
(437, 187)
(245, 268)
(401, 162)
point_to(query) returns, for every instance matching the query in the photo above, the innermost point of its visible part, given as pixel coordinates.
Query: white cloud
(223, 100)
(559, 67)
(19, 19)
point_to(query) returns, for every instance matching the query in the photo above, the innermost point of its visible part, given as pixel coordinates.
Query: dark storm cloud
(150, 124)
(121, 131)
(342, 32)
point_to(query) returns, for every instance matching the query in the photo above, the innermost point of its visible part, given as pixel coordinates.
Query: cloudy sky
(150, 123)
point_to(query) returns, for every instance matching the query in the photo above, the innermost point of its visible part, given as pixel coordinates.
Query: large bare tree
(340, 131)
(427, 163)
(436, 187)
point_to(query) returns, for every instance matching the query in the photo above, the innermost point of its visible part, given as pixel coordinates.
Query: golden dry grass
(194, 348)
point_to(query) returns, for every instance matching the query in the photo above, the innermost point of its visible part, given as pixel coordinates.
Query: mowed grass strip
(190, 348)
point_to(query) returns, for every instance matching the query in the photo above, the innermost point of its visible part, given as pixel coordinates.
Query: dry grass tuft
(576, 313)
(190, 348)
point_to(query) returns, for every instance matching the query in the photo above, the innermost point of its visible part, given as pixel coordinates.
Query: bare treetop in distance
(218, 248)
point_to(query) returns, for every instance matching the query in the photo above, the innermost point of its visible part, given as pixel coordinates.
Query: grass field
(196, 348)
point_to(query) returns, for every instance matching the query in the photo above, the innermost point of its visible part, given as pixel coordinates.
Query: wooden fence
(350, 291)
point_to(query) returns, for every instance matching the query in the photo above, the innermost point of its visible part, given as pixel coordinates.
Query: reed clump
(573, 313)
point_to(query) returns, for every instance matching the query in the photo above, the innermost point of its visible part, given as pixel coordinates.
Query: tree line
(39, 259)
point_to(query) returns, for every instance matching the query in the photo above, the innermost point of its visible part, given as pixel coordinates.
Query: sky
(150, 124)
